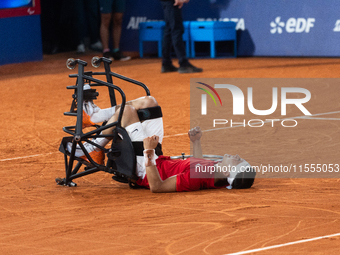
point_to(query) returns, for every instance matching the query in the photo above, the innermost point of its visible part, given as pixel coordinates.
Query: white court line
(282, 245)
(31, 156)
(310, 117)
(290, 243)
(316, 118)
(214, 129)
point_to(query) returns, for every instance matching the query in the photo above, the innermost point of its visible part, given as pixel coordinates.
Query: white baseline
(282, 245)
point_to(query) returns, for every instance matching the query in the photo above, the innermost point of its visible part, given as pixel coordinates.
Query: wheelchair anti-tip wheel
(95, 62)
(70, 64)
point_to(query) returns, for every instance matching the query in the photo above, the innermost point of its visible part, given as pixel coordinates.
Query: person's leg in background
(79, 24)
(86, 24)
(167, 65)
(118, 13)
(173, 35)
(51, 25)
(177, 30)
(93, 24)
(105, 18)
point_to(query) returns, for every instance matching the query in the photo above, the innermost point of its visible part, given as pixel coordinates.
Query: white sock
(102, 141)
(103, 115)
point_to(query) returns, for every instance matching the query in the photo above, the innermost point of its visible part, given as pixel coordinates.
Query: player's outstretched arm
(195, 135)
(157, 185)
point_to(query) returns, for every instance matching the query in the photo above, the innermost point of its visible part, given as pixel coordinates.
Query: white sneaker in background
(97, 46)
(81, 48)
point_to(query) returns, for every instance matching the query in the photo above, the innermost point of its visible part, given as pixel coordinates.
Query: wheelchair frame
(122, 165)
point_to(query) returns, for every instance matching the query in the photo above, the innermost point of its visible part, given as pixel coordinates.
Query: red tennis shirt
(181, 168)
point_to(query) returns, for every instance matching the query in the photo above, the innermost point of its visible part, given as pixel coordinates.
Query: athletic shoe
(108, 54)
(189, 68)
(93, 114)
(119, 56)
(168, 69)
(87, 120)
(89, 109)
(81, 48)
(97, 156)
(96, 46)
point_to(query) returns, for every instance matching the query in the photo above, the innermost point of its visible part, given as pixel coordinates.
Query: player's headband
(242, 167)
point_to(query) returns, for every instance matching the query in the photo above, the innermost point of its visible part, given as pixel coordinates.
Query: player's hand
(180, 3)
(195, 134)
(150, 142)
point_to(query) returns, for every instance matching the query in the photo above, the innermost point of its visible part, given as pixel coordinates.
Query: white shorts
(138, 131)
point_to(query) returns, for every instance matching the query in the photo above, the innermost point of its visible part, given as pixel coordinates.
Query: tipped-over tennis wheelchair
(121, 156)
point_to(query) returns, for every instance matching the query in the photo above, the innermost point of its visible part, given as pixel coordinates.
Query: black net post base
(121, 159)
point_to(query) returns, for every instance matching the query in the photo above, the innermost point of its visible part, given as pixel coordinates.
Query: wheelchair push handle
(71, 63)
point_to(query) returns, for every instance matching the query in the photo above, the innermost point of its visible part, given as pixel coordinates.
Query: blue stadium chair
(153, 32)
(149, 32)
(212, 31)
(186, 37)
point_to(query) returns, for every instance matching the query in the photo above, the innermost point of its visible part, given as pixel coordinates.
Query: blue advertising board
(20, 31)
(15, 3)
(264, 27)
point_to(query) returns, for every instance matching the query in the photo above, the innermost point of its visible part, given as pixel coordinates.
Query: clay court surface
(101, 216)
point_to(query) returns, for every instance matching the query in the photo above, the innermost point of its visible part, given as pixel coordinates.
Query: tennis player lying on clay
(168, 175)
(162, 174)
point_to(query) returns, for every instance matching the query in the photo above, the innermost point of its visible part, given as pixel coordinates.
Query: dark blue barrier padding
(20, 39)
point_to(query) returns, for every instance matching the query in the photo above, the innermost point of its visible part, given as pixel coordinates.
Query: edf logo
(292, 25)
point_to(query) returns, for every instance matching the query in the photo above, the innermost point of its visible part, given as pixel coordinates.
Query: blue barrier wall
(20, 39)
(264, 27)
